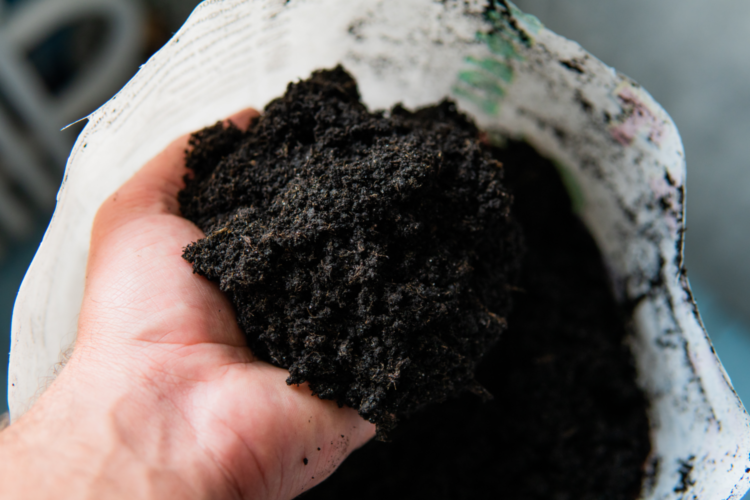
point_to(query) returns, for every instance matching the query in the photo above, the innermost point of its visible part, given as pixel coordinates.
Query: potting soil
(373, 256)
(567, 420)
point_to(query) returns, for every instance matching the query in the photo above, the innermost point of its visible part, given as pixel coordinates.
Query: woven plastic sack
(619, 153)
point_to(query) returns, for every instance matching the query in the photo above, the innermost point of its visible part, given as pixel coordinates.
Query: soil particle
(567, 420)
(371, 255)
(685, 470)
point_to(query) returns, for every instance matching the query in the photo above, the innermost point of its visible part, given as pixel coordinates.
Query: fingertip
(156, 184)
(362, 431)
(242, 119)
(154, 188)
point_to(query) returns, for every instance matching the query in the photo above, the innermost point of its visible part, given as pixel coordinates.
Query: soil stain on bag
(373, 256)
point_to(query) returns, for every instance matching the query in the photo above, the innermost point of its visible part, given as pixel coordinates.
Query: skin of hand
(162, 398)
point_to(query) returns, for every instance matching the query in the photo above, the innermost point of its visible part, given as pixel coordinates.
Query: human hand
(162, 397)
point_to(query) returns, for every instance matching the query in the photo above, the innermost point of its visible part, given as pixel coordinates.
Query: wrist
(106, 439)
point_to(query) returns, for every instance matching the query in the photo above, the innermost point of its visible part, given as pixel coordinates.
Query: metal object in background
(43, 88)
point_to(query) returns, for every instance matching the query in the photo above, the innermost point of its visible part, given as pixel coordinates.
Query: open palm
(153, 333)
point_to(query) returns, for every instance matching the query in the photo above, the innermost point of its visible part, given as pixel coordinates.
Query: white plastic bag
(619, 153)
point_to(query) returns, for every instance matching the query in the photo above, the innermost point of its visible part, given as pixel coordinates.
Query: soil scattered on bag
(567, 420)
(372, 255)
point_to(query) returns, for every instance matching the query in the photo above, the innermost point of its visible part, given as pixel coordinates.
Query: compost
(567, 420)
(372, 255)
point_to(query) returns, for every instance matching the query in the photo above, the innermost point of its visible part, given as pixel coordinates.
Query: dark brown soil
(373, 256)
(567, 420)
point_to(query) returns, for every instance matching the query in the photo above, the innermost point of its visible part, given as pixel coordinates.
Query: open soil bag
(617, 151)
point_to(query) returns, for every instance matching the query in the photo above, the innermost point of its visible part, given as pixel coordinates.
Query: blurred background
(61, 59)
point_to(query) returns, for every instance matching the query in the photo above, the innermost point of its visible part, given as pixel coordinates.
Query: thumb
(289, 443)
(153, 189)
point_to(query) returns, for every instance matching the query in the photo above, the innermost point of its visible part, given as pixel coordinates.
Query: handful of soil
(370, 255)
(567, 422)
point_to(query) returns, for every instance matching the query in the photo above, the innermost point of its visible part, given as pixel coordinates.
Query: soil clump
(371, 255)
(567, 420)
